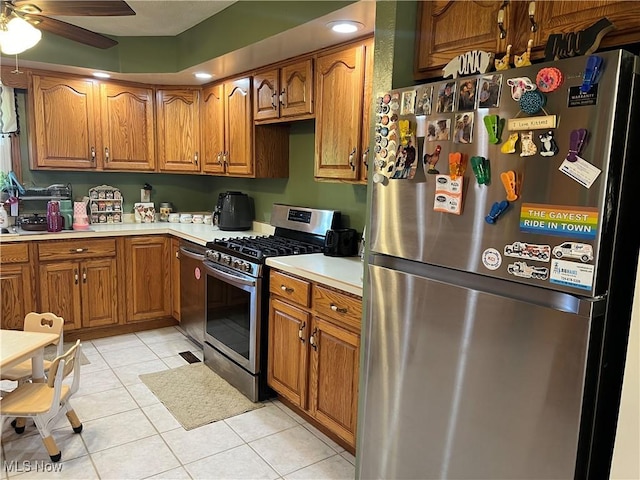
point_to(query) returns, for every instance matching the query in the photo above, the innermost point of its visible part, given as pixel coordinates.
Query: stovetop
(259, 248)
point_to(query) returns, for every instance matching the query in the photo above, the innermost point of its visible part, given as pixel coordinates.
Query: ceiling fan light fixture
(345, 26)
(18, 35)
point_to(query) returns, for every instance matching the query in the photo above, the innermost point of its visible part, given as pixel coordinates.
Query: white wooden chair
(36, 322)
(44, 402)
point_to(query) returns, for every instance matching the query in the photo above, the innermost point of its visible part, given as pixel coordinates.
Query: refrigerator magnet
(510, 145)
(423, 100)
(467, 94)
(448, 195)
(405, 166)
(533, 251)
(526, 144)
(444, 102)
(430, 160)
(491, 259)
(490, 89)
(572, 274)
(548, 146)
(523, 270)
(463, 132)
(439, 130)
(408, 102)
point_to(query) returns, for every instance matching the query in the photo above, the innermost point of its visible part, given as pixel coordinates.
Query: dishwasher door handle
(191, 254)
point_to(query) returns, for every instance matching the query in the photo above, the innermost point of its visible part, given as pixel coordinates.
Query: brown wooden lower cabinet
(79, 282)
(16, 285)
(148, 278)
(313, 359)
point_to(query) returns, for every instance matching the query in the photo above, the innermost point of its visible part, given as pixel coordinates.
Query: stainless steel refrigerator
(495, 338)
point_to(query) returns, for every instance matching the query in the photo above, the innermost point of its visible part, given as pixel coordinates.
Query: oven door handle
(191, 254)
(229, 277)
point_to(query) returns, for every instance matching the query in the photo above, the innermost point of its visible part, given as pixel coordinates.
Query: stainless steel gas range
(237, 293)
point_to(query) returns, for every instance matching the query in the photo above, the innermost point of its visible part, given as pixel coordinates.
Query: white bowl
(198, 219)
(174, 217)
(186, 218)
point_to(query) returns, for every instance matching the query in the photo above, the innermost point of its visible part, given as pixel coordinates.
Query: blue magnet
(497, 209)
(591, 73)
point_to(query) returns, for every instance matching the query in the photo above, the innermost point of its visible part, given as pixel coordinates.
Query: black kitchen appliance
(234, 211)
(237, 293)
(341, 242)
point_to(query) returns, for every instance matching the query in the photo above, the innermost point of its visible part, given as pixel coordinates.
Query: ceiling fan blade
(76, 8)
(72, 32)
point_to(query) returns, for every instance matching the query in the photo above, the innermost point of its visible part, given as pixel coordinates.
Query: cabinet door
(178, 130)
(60, 292)
(212, 129)
(288, 351)
(16, 294)
(367, 107)
(147, 278)
(296, 89)
(446, 29)
(128, 141)
(333, 381)
(239, 127)
(266, 90)
(565, 17)
(339, 84)
(99, 289)
(64, 120)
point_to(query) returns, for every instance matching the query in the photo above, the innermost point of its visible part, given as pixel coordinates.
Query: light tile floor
(129, 434)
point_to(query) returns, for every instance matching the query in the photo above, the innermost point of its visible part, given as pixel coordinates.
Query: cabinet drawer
(336, 305)
(70, 249)
(294, 289)
(14, 253)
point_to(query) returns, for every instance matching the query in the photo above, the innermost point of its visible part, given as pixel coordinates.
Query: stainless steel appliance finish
(237, 294)
(475, 373)
(192, 284)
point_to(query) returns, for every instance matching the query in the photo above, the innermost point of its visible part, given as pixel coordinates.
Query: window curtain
(8, 125)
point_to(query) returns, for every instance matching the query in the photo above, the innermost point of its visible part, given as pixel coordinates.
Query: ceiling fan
(39, 14)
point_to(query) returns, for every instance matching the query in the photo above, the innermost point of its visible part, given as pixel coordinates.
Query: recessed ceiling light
(345, 26)
(101, 75)
(203, 75)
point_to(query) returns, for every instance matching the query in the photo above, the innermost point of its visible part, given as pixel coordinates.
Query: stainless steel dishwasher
(192, 285)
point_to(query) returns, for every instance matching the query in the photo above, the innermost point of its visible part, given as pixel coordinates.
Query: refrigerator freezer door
(404, 224)
(463, 384)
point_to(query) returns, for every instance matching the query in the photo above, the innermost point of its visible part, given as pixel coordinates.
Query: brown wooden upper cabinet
(341, 139)
(83, 124)
(212, 128)
(284, 93)
(446, 29)
(178, 129)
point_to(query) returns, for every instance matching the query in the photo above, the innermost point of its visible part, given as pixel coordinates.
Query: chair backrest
(45, 323)
(70, 362)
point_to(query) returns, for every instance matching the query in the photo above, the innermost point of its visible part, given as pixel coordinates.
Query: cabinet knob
(93, 154)
(195, 158)
(77, 250)
(106, 153)
(286, 289)
(503, 32)
(75, 276)
(84, 275)
(532, 16)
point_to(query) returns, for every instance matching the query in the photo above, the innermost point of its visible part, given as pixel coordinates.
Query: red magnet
(549, 79)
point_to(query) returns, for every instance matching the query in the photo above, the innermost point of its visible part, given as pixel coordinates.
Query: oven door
(231, 325)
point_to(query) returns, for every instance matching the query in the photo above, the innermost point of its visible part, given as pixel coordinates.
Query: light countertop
(343, 273)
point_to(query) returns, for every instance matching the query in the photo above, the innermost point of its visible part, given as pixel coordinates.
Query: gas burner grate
(265, 246)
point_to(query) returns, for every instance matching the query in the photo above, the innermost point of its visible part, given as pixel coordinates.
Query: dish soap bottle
(4, 216)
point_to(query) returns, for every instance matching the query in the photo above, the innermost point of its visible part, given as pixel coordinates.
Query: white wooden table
(16, 346)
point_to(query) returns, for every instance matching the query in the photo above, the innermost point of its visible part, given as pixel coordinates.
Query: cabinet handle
(351, 155)
(93, 154)
(312, 339)
(75, 275)
(219, 158)
(338, 309)
(106, 153)
(532, 16)
(178, 254)
(286, 289)
(274, 103)
(365, 155)
(503, 32)
(283, 97)
(77, 250)
(195, 159)
(300, 335)
(225, 157)
(84, 275)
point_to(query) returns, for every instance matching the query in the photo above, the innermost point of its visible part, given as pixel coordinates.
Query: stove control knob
(216, 256)
(237, 264)
(246, 267)
(226, 259)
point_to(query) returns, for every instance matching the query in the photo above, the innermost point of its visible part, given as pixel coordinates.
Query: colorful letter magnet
(509, 181)
(497, 209)
(480, 166)
(494, 125)
(576, 141)
(591, 73)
